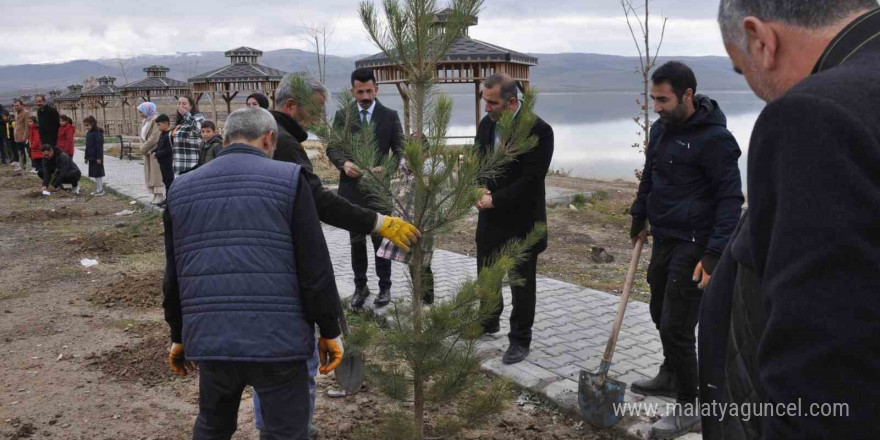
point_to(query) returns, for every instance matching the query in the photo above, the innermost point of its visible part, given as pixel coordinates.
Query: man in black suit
(389, 139)
(513, 202)
(48, 121)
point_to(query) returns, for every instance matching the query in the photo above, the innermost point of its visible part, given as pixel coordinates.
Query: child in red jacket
(65, 135)
(35, 144)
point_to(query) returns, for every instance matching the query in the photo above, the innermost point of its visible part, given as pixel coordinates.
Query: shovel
(597, 393)
(350, 373)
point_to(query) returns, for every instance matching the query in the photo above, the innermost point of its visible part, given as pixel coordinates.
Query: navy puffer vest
(233, 249)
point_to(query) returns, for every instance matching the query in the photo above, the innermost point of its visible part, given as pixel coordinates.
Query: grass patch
(12, 294)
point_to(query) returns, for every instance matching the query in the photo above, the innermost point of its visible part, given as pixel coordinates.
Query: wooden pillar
(477, 100)
(124, 117)
(404, 96)
(214, 105)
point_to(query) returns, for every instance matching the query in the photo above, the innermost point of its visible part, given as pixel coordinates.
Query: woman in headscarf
(257, 100)
(149, 140)
(186, 136)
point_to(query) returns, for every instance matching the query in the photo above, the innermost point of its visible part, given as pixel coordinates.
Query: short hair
(249, 123)
(163, 119)
(90, 120)
(288, 90)
(209, 124)
(18, 101)
(508, 85)
(261, 99)
(34, 119)
(678, 75)
(364, 75)
(47, 147)
(66, 118)
(809, 14)
(40, 95)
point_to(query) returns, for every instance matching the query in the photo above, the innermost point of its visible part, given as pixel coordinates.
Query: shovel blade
(350, 373)
(599, 396)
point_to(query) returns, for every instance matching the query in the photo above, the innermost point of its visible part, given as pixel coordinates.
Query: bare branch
(657, 52)
(627, 7)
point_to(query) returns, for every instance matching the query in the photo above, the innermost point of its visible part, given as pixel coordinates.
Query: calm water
(594, 131)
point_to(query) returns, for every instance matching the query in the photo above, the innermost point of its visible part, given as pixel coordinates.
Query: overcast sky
(50, 31)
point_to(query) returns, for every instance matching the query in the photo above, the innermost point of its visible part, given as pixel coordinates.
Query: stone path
(571, 328)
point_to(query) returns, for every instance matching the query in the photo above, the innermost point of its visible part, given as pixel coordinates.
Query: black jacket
(518, 193)
(48, 124)
(691, 187)
(60, 165)
(389, 139)
(94, 145)
(332, 209)
(812, 243)
(164, 152)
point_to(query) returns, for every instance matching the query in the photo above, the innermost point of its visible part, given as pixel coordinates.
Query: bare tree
(123, 63)
(647, 61)
(317, 35)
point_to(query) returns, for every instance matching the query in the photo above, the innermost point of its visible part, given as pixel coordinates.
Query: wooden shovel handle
(624, 298)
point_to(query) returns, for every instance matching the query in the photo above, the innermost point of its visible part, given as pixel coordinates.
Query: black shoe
(514, 354)
(661, 385)
(384, 297)
(491, 328)
(359, 297)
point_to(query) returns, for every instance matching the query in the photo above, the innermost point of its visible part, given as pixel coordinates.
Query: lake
(594, 131)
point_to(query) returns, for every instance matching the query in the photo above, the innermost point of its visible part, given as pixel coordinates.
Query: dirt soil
(576, 233)
(75, 367)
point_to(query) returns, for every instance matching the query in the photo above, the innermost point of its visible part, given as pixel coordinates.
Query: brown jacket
(21, 125)
(152, 174)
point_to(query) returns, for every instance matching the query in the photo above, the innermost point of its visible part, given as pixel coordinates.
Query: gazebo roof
(74, 91)
(105, 88)
(155, 83)
(463, 49)
(243, 67)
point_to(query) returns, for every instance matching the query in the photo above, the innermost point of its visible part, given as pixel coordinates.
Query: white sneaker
(97, 193)
(34, 171)
(75, 189)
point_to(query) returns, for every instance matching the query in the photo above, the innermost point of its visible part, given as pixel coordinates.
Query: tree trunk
(418, 380)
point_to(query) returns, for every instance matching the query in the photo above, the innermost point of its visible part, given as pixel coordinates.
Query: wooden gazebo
(105, 94)
(155, 85)
(70, 101)
(468, 61)
(54, 93)
(242, 74)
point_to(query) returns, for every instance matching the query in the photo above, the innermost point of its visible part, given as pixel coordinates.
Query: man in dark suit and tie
(389, 139)
(513, 202)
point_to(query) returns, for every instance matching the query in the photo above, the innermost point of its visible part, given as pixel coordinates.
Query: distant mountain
(555, 72)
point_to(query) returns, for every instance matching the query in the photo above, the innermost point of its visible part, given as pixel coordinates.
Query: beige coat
(21, 126)
(152, 175)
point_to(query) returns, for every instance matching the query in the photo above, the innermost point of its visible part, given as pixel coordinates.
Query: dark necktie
(364, 115)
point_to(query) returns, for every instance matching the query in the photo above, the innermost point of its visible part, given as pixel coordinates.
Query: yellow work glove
(399, 232)
(177, 360)
(330, 354)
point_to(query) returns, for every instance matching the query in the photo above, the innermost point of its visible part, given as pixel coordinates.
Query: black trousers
(360, 263)
(675, 309)
(71, 178)
(283, 388)
(522, 316)
(3, 144)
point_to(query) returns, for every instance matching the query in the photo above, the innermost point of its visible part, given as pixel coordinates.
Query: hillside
(556, 72)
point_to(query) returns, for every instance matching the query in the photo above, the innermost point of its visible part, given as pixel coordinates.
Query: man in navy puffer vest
(247, 277)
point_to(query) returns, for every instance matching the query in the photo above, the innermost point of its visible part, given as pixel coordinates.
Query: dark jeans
(359, 262)
(284, 395)
(38, 165)
(675, 309)
(19, 153)
(3, 143)
(522, 316)
(71, 178)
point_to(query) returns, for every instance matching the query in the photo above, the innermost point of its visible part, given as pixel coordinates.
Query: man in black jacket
(389, 139)
(800, 277)
(58, 169)
(691, 193)
(48, 121)
(513, 202)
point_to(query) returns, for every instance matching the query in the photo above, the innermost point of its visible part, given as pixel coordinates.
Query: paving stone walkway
(571, 327)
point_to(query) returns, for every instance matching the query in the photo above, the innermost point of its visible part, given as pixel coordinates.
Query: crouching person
(58, 169)
(248, 275)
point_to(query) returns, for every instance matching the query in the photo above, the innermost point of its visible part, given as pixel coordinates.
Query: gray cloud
(59, 30)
